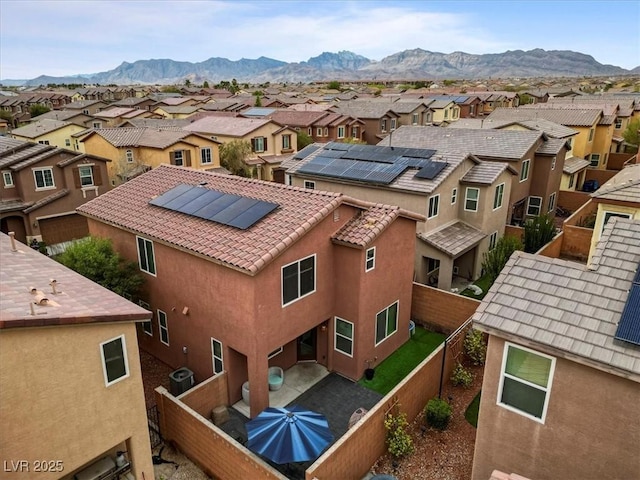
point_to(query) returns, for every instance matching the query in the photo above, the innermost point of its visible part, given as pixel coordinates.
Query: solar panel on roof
(431, 170)
(337, 146)
(636, 278)
(629, 325)
(224, 208)
(306, 151)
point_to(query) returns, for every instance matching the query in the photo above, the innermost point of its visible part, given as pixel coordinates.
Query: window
(298, 279)
(43, 178)
(493, 239)
(259, 144)
(434, 203)
(286, 142)
(446, 113)
(433, 264)
(205, 155)
(85, 111)
(454, 196)
(146, 326)
(608, 215)
(471, 199)
(309, 184)
(178, 158)
(393, 124)
(86, 175)
(552, 201)
(415, 118)
(591, 132)
(216, 354)
(498, 196)
(7, 178)
(618, 124)
(67, 142)
(129, 155)
(386, 322)
(534, 205)
(310, 131)
(97, 125)
(146, 257)
(43, 142)
(524, 173)
(319, 132)
(163, 327)
(383, 124)
(525, 381)
(472, 110)
(553, 163)
(344, 336)
(370, 260)
(340, 132)
(571, 180)
(428, 117)
(354, 132)
(277, 351)
(326, 132)
(114, 360)
(595, 159)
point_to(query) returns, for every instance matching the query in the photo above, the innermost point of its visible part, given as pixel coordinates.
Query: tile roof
(60, 115)
(566, 306)
(227, 126)
(39, 128)
(141, 137)
(362, 229)
(163, 123)
(114, 112)
(297, 118)
(568, 117)
(365, 109)
(453, 239)
(78, 300)
(179, 109)
(624, 186)
(499, 144)
(13, 205)
(63, 192)
(552, 146)
(485, 173)
(299, 210)
(574, 165)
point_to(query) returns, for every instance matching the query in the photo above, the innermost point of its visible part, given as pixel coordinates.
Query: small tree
(475, 346)
(38, 109)
(233, 156)
(95, 259)
(205, 84)
(538, 232)
(494, 260)
(303, 139)
(631, 134)
(399, 442)
(334, 85)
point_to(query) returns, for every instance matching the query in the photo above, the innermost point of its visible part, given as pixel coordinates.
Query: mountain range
(416, 64)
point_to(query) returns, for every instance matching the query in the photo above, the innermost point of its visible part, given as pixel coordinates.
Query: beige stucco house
(50, 132)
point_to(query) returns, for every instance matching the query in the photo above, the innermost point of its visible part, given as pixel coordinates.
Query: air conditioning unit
(180, 381)
(99, 470)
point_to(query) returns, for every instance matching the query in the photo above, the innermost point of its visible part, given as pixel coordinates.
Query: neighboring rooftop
(141, 137)
(39, 128)
(624, 186)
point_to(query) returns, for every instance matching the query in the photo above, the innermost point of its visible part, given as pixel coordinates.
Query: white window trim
(493, 240)
(315, 280)
(436, 200)
(35, 181)
(146, 306)
(375, 330)
(539, 206)
(614, 214)
(501, 197)
(466, 197)
(553, 162)
(343, 130)
(203, 152)
(181, 159)
(153, 249)
(10, 183)
(454, 196)
(161, 328)
(336, 334)
(552, 203)
(524, 178)
(129, 156)
(91, 174)
(373, 259)
(275, 353)
(310, 184)
(104, 362)
(547, 390)
(214, 357)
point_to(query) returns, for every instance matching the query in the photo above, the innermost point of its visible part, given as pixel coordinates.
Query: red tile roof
(361, 230)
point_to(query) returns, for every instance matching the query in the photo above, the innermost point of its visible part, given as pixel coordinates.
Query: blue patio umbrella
(288, 435)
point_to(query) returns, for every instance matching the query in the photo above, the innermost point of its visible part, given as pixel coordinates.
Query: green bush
(475, 346)
(538, 232)
(399, 442)
(437, 413)
(461, 376)
(495, 259)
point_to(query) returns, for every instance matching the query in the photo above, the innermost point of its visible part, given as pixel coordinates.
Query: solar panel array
(629, 326)
(306, 151)
(225, 208)
(370, 163)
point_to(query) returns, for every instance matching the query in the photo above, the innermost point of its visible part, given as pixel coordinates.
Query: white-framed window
(67, 142)
(434, 204)
(147, 327)
(178, 158)
(298, 279)
(524, 173)
(43, 142)
(608, 215)
(309, 184)
(553, 162)
(618, 124)
(393, 124)
(340, 132)
(498, 196)
(383, 125)
(572, 179)
(552, 201)
(472, 110)
(260, 144)
(129, 155)
(86, 175)
(277, 351)
(343, 341)
(415, 118)
(163, 327)
(446, 113)
(319, 132)
(471, 198)
(205, 156)
(433, 264)
(43, 178)
(85, 111)
(454, 195)
(354, 132)
(7, 179)
(591, 132)
(595, 159)
(428, 120)
(326, 132)
(115, 365)
(493, 239)
(286, 142)
(370, 259)
(534, 205)
(386, 322)
(146, 256)
(525, 381)
(216, 355)
(97, 125)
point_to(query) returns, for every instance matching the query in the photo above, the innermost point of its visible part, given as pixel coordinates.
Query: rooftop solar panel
(629, 325)
(636, 278)
(224, 208)
(337, 146)
(431, 170)
(306, 151)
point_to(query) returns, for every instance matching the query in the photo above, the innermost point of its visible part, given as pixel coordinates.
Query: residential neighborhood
(425, 266)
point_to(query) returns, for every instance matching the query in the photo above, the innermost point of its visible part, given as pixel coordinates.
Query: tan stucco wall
(58, 137)
(54, 404)
(602, 143)
(582, 147)
(590, 432)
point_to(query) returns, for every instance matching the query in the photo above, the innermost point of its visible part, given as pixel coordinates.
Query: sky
(58, 38)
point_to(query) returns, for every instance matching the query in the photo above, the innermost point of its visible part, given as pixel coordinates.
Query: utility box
(180, 381)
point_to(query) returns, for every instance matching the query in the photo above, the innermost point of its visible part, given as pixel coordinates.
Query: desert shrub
(475, 346)
(461, 376)
(399, 442)
(437, 413)
(538, 232)
(494, 260)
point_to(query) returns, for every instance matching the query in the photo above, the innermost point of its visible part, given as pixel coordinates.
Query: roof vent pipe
(53, 284)
(12, 236)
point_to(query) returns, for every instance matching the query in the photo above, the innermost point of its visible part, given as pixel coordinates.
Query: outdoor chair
(276, 378)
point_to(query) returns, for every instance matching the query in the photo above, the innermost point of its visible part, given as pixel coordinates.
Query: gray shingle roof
(623, 186)
(566, 306)
(453, 239)
(552, 146)
(231, 126)
(485, 173)
(143, 137)
(567, 117)
(574, 165)
(362, 109)
(39, 128)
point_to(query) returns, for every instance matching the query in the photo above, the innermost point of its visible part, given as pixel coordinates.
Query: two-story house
(41, 187)
(277, 274)
(378, 117)
(321, 125)
(49, 132)
(71, 395)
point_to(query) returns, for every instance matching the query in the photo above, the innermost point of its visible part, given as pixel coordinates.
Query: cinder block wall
(206, 396)
(440, 310)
